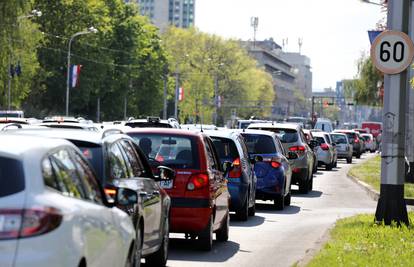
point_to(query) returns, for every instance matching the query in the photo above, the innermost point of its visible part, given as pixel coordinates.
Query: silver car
(324, 152)
(293, 139)
(343, 147)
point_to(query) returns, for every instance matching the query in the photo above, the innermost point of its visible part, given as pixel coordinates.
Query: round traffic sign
(392, 52)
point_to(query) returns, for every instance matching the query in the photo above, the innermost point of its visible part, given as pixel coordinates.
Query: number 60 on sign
(392, 52)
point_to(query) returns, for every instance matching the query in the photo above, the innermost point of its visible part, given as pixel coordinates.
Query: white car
(325, 152)
(52, 210)
(370, 143)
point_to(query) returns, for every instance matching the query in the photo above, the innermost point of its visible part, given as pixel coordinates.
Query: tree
(203, 61)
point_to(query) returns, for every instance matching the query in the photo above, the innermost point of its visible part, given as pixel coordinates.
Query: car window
(67, 175)
(320, 140)
(226, 148)
(243, 146)
(328, 140)
(279, 146)
(211, 159)
(175, 151)
(259, 144)
(88, 179)
(287, 135)
(339, 139)
(117, 165)
(49, 177)
(11, 176)
(137, 167)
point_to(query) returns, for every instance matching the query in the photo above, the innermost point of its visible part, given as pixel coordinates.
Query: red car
(199, 195)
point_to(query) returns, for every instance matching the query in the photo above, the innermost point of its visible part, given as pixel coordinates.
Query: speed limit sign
(392, 52)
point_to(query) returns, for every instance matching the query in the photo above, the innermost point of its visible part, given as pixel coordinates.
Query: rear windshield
(226, 148)
(286, 135)
(259, 144)
(94, 155)
(320, 140)
(338, 139)
(179, 152)
(366, 138)
(147, 125)
(11, 176)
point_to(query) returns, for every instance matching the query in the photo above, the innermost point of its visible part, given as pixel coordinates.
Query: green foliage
(358, 241)
(200, 59)
(122, 61)
(370, 173)
(18, 39)
(365, 86)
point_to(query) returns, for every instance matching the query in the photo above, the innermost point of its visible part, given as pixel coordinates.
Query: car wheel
(279, 203)
(311, 183)
(336, 164)
(328, 167)
(349, 160)
(205, 238)
(252, 209)
(288, 199)
(243, 213)
(222, 234)
(160, 257)
(134, 260)
(358, 156)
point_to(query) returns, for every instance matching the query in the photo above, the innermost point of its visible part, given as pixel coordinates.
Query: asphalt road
(282, 238)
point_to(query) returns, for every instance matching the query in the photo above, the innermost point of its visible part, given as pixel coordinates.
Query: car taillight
(274, 162)
(20, 223)
(236, 170)
(324, 146)
(356, 140)
(197, 181)
(300, 150)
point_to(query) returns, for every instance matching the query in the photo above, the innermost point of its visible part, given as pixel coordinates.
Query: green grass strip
(357, 241)
(370, 173)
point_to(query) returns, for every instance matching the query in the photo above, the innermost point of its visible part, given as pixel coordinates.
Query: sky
(334, 32)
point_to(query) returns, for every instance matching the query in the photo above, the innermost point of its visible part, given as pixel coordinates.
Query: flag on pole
(75, 73)
(180, 94)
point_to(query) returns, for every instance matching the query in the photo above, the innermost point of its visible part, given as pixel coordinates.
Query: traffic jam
(78, 193)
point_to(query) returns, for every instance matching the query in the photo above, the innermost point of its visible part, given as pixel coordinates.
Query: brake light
(297, 148)
(356, 140)
(324, 146)
(110, 192)
(236, 170)
(197, 181)
(20, 223)
(275, 164)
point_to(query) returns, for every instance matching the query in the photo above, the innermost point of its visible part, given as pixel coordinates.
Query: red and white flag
(180, 94)
(75, 73)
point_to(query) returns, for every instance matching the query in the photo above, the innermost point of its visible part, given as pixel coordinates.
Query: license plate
(166, 184)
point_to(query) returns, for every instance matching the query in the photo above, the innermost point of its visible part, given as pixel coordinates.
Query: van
(373, 127)
(325, 125)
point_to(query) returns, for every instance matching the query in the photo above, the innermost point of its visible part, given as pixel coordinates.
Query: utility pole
(215, 99)
(177, 86)
(391, 205)
(164, 110)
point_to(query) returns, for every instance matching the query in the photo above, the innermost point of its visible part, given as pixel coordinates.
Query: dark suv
(118, 162)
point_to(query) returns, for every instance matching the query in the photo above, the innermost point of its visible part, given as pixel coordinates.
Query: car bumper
(299, 175)
(324, 157)
(344, 154)
(189, 215)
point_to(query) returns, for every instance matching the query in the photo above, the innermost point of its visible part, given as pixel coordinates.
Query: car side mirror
(292, 155)
(165, 173)
(126, 197)
(313, 143)
(227, 166)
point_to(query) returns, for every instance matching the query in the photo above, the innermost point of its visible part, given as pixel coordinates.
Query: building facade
(163, 13)
(302, 67)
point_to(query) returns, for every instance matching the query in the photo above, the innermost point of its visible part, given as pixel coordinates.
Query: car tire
(205, 238)
(328, 167)
(136, 254)
(279, 203)
(349, 160)
(252, 209)
(335, 164)
(222, 234)
(311, 183)
(288, 199)
(243, 213)
(160, 257)
(358, 156)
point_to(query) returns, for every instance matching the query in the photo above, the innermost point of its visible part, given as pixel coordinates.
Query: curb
(372, 192)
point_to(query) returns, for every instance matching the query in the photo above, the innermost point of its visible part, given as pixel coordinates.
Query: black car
(119, 162)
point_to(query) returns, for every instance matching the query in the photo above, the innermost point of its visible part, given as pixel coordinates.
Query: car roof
(344, 131)
(70, 134)
(254, 131)
(230, 133)
(319, 134)
(38, 144)
(293, 126)
(172, 131)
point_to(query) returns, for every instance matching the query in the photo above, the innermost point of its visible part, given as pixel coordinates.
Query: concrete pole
(177, 86)
(391, 204)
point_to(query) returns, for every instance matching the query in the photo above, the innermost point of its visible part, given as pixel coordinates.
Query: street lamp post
(89, 30)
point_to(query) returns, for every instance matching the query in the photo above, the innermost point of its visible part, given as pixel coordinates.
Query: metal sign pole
(391, 204)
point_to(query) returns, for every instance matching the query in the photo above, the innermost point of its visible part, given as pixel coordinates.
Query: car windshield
(94, 155)
(366, 138)
(338, 138)
(174, 151)
(226, 148)
(259, 144)
(11, 176)
(320, 140)
(148, 125)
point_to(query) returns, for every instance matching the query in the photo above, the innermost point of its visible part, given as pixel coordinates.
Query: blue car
(241, 180)
(272, 167)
